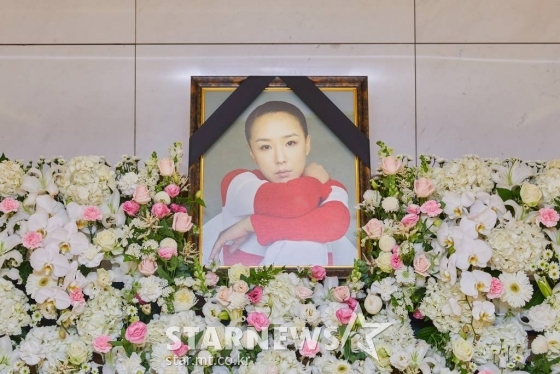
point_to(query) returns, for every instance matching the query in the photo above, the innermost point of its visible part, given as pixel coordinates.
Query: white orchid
(8, 356)
(473, 252)
(481, 220)
(49, 262)
(456, 205)
(448, 269)
(483, 311)
(53, 296)
(8, 253)
(74, 279)
(508, 176)
(474, 282)
(39, 182)
(449, 236)
(113, 213)
(49, 215)
(321, 294)
(68, 240)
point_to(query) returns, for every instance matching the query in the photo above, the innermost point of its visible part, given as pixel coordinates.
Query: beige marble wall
(445, 76)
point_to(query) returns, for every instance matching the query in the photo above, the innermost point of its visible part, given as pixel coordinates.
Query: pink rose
(176, 208)
(9, 205)
(413, 209)
(167, 252)
(424, 187)
(172, 190)
(223, 295)
(76, 297)
(136, 332)
(182, 350)
(131, 208)
(352, 303)
(410, 220)
(258, 320)
(92, 213)
(32, 240)
(496, 289)
(396, 262)
(160, 210)
(255, 295)
(166, 167)
(303, 292)
(390, 165)
(310, 348)
(141, 195)
(421, 265)
(417, 314)
(147, 267)
(374, 228)
(182, 222)
(548, 217)
(211, 279)
(341, 294)
(344, 315)
(101, 344)
(432, 208)
(318, 272)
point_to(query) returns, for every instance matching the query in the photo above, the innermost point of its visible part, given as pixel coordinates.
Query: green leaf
(3, 157)
(163, 274)
(537, 298)
(505, 194)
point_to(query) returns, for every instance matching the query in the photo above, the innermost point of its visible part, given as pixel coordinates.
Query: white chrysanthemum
(103, 315)
(86, 180)
(517, 289)
(405, 275)
(91, 257)
(13, 314)
(516, 245)
(127, 183)
(36, 282)
(159, 357)
(130, 365)
(338, 367)
(390, 204)
(11, 178)
(150, 288)
(542, 317)
(469, 173)
(549, 183)
(438, 295)
(508, 338)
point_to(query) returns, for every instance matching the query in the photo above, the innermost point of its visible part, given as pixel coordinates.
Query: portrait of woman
(286, 210)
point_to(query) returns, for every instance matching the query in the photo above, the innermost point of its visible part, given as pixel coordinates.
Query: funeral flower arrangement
(99, 272)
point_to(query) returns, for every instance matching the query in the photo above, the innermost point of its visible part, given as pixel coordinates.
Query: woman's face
(279, 147)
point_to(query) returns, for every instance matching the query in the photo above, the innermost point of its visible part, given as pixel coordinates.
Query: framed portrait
(281, 163)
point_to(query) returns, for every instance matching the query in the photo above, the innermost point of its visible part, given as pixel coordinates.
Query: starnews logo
(228, 337)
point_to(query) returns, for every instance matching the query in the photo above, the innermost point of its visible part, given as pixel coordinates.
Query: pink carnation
(318, 272)
(410, 220)
(255, 295)
(548, 217)
(310, 348)
(396, 262)
(92, 213)
(77, 297)
(32, 240)
(413, 209)
(9, 205)
(175, 208)
(101, 344)
(432, 208)
(172, 190)
(160, 210)
(167, 252)
(182, 350)
(496, 289)
(131, 207)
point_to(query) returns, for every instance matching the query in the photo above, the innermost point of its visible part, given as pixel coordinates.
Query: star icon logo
(378, 328)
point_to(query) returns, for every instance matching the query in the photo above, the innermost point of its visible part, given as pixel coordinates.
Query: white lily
(39, 182)
(452, 308)
(447, 269)
(484, 311)
(68, 240)
(419, 359)
(54, 296)
(455, 205)
(113, 213)
(511, 175)
(473, 252)
(8, 357)
(49, 262)
(554, 236)
(321, 294)
(481, 220)
(475, 282)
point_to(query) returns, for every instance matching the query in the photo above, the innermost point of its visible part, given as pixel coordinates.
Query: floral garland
(99, 273)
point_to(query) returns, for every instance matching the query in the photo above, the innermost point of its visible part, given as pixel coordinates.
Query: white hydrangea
(437, 296)
(285, 302)
(542, 317)
(549, 183)
(86, 180)
(43, 346)
(275, 361)
(127, 183)
(470, 173)
(104, 314)
(13, 314)
(515, 246)
(11, 178)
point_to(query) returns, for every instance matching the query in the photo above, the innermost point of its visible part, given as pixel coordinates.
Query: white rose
(390, 204)
(303, 292)
(462, 349)
(373, 304)
(386, 243)
(241, 287)
(530, 194)
(106, 239)
(77, 353)
(539, 345)
(184, 300)
(236, 271)
(237, 301)
(168, 242)
(162, 197)
(384, 262)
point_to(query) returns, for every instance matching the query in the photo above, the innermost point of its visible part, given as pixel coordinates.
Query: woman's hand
(316, 171)
(236, 233)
